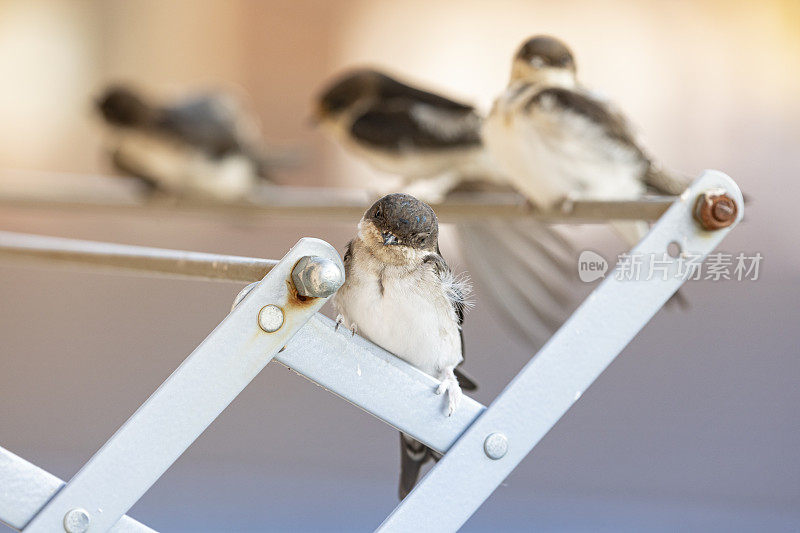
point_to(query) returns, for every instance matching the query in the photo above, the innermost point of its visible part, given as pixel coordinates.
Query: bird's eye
(537, 62)
(378, 212)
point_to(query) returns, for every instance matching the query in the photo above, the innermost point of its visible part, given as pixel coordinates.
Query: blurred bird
(206, 145)
(400, 294)
(556, 141)
(423, 136)
(403, 130)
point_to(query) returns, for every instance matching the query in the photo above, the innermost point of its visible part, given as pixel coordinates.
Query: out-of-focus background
(693, 428)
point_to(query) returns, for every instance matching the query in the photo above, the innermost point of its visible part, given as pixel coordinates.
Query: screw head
(76, 521)
(317, 277)
(270, 318)
(715, 210)
(495, 446)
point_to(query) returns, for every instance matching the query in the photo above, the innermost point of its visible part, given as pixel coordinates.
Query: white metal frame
(481, 445)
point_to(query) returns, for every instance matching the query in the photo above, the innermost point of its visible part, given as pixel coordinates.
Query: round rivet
(270, 318)
(495, 446)
(76, 521)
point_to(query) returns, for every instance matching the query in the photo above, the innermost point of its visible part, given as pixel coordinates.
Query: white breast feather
(413, 318)
(550, 154)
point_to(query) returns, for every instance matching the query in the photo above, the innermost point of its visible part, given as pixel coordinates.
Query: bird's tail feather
(665, 182)
(413, 455)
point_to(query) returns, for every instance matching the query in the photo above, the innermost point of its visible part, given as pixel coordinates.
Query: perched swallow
(205, 145)
(406, 131)
(556, 141)
(400, 294)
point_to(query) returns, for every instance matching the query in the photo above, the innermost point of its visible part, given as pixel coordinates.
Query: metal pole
(563, 369)
(139, 259)
(119, 195)
(27, 489)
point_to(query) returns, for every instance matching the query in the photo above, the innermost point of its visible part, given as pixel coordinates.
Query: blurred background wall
(694, 427)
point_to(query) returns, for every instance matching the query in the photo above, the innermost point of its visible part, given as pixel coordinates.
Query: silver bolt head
(317, 277)
(270, 318)
(76, 521)
(495, 446)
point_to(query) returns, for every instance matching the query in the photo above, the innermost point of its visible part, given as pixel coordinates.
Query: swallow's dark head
(542, 54)
(121, 106)
(400, 220)
(348, 91)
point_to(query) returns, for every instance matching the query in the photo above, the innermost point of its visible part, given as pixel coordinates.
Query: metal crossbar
(481, 445)
(117, 195)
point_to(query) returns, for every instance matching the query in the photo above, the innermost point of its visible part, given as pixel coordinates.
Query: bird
(404, 130)
(423, 137)
(205, 145)
(400, 294)
(556, 141)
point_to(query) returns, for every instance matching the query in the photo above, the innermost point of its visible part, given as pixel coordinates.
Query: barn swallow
(555, 140)
(206, 145)
(400, 294)
(413, 133)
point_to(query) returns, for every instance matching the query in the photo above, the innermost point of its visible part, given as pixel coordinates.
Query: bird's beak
(389, 239)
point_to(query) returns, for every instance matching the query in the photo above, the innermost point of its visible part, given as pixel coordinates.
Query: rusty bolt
(715, 210)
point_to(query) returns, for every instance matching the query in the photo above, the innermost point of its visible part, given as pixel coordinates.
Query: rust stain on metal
(295, 299)
(715, 210)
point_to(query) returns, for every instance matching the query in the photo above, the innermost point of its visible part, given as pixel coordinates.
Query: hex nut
(317, 277)
(715, 210)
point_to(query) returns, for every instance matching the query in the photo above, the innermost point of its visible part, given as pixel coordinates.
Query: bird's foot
(450, 385)
(340, 321)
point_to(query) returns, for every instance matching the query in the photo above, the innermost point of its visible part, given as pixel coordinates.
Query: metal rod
(360, 372)
(118, 194)
(139, 259)
(27, 488)
(547, 387)
(190, 399)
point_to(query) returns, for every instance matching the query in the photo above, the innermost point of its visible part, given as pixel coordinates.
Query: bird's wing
(212, 122)
(523, 270)
(401, 123)
(585, 143)
(657, 179)
(458, 291)
(575, 111)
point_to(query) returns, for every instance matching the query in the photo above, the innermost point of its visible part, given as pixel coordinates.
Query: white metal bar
(139, 259)
(557, 376)
(189, 400)
(25, 489)
(378, 382)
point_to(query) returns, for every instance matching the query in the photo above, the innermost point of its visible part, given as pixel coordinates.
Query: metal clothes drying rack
(276, 318)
